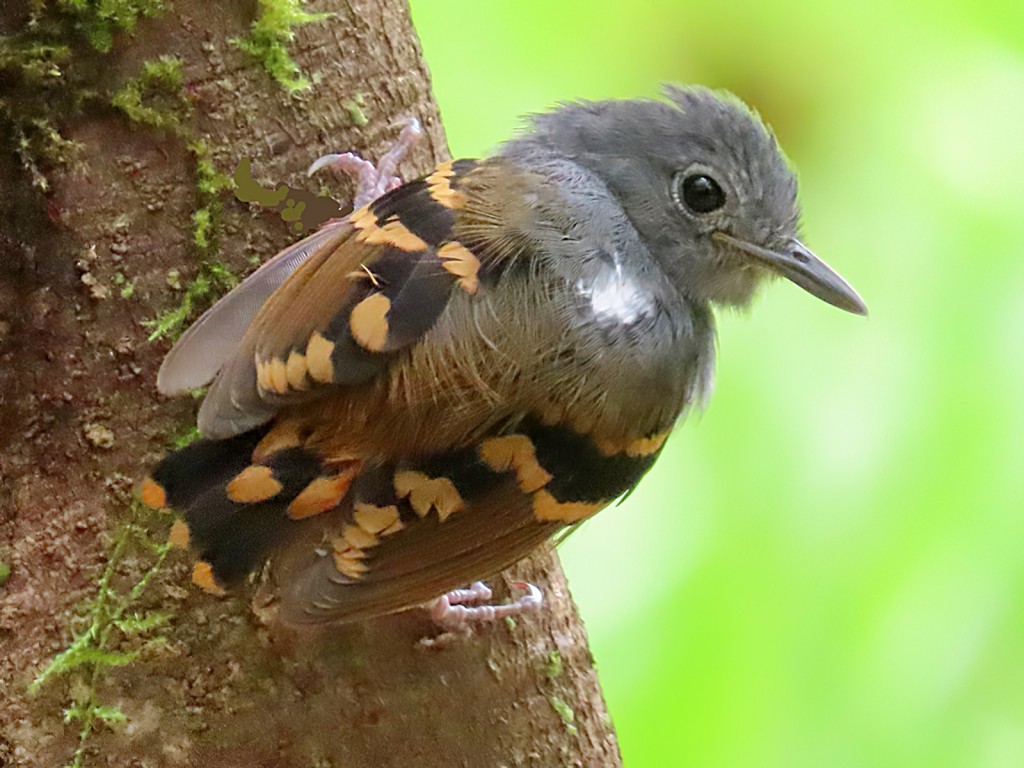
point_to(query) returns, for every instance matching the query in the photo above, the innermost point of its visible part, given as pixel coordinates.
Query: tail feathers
(235, 511)
(184, 475)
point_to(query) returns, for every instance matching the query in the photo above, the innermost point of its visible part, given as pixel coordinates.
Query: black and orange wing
(416, 529)
(333, 309)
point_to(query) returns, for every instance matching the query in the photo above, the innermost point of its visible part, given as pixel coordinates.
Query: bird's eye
(699, 193)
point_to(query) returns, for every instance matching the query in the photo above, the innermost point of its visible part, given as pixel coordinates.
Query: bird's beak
(796, 262)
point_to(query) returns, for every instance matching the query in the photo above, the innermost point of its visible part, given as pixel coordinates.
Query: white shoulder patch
(614, 296)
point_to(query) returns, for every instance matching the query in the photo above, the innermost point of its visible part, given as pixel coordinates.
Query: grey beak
(796, 262)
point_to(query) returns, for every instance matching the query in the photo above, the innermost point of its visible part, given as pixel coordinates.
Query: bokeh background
(826, 568)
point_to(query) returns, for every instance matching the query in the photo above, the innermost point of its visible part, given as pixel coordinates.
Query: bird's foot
(372, 181)
(456, 612)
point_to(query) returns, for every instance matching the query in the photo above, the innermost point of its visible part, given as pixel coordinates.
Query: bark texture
(80, 421)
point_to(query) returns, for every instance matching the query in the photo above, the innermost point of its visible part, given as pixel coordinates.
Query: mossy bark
(80, 421)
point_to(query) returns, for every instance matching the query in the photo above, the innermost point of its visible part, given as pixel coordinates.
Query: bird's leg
(457, 610)
(372, 181)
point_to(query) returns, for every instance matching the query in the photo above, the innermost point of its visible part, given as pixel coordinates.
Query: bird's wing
(208, 344)
(412, 530)
(331, 311)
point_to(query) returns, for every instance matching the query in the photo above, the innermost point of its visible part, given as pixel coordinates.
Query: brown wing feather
(342, 316)
(233, 404)
(422, 560)
(204, 348)
(420, 527)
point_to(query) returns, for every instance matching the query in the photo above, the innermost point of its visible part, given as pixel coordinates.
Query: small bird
(424, 391)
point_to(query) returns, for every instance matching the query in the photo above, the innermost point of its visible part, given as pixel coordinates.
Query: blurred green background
(825, 568)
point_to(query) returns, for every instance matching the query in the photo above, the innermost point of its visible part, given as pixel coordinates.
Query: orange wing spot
(344, 549)
(461, 262)
(179, 536)
(295, 370)
(363, 218)
(548, 509)
(318, 359)
(349, 550)
(322, 494)
(358, 538)
(347, 560)
(645, 446)
(369, 322)
(153, 494)
(426, 493)
(584, 422)
(202, 577)
(440, 188)
(287, 434)
(515, 452)
(277, 376)
(252, 484)
(392, 232)
(262, 380)
(635, 449)
(271, 375)
(377, 520)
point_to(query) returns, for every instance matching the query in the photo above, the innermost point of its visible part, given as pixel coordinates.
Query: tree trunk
(82, 265)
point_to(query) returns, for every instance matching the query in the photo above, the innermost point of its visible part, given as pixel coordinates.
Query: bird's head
(706, 185)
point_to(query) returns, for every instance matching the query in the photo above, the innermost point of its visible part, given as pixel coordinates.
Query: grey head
(704, 183)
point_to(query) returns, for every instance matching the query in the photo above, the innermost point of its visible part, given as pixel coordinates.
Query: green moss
(202, 219)
(112, 617)
(271, 33)
(554, 669)
(125, 287)
(100, 20)
(209, 180)
(213, 278)
(37, 61)
(209, 184)
(190, 435)
(211, 281)
(41, 89)
(155, 98)
(36, 87)
(565, 712)
(5, 572)
(354, 107)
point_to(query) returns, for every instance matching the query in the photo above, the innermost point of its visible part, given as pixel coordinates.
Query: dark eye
(700, 193)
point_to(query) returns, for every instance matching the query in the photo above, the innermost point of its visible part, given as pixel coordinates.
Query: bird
(420, 393)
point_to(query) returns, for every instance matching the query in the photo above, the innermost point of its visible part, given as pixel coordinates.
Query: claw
(532, 600)
(411, 132)
(455, 611)
(339, 161)
(372, 181)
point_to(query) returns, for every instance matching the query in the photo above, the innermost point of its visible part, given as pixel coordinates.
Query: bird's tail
(234, 509)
